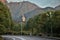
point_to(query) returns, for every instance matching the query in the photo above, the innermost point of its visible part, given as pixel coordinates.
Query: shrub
(1, 38)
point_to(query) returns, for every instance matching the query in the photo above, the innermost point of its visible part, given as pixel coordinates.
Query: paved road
(25, 38)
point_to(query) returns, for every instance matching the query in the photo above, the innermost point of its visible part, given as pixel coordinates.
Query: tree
(5, 17)
(47, 23)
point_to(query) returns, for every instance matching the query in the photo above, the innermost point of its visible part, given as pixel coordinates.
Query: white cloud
(16, 0)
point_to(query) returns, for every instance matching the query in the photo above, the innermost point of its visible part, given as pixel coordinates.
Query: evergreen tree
(5, 18)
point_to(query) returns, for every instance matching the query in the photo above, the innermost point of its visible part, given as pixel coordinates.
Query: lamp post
(51, 23)
(50, 16)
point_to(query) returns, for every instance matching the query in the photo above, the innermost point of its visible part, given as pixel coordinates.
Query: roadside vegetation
(1, 38)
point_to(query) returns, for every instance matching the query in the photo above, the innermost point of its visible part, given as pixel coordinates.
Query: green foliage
(44, 21)
(16, 28)
(5, 18)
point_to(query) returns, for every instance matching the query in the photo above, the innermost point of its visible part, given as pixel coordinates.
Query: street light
(50, 16)
(51, 24)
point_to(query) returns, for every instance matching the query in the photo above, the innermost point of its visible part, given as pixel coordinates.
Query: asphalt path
(25, 38)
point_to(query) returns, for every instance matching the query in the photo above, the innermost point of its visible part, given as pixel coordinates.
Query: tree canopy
(5, 17)
(46, 23)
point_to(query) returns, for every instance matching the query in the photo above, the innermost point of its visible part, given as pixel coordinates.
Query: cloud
(16, 0)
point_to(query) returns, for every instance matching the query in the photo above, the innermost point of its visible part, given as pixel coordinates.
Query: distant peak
(26, 1)
(57, 6)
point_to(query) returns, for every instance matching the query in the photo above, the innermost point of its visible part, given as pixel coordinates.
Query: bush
(1, 38)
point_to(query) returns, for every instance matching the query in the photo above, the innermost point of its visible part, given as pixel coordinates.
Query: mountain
(29, 9)
(19, 8)
(57, 7)
(48, 8)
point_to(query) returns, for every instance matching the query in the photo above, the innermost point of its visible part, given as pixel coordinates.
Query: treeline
(44, 24)
(47, 23)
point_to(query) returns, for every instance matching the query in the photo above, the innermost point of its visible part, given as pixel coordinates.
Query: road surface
(24, 38)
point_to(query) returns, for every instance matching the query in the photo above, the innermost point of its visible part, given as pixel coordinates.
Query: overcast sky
(41, 3)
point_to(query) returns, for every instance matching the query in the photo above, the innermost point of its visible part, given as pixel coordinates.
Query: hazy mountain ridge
(26, 8)
(57, 7)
